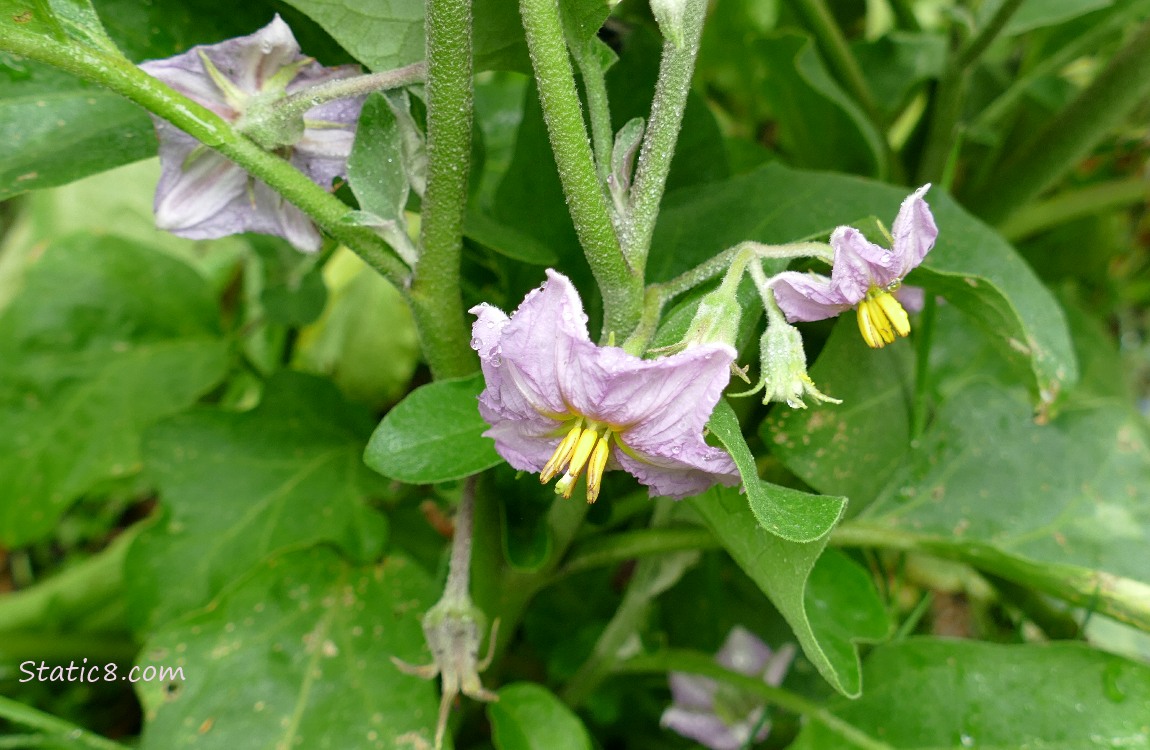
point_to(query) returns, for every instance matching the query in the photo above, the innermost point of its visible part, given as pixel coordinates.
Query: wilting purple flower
(202, 194)
(556, 402)
(721, 716)
(864, 274)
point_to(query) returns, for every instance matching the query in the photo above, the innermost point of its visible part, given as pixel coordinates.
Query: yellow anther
(894, 313)
(598, 463)
(562, 455)
(882, 319)
(582, 452)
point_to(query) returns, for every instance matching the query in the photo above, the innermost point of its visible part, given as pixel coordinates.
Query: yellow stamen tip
(598, 465)
(881, 320)
(562, 455)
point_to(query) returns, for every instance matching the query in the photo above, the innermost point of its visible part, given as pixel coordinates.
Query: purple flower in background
(865, 275)
(203, 195)
(557, 403)
(721, 716)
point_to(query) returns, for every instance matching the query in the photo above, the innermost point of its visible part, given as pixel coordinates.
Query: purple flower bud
(720, 716)
(203, 195)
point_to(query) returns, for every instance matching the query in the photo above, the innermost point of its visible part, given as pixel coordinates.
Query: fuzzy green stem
(658, 295)
(459, 571)
(436, 299)
(121, 76)
(295, 105)
(947, 111)
(655, 155)
(622, 288)
(1070, 135)
(59, 729)
(693, 662)
(598, 110)
(833, 45)
(1121, 598)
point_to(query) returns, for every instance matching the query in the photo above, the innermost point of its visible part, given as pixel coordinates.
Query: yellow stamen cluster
(881, 319)
(582, 448)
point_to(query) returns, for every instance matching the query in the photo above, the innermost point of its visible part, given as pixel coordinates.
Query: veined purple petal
(914, 231)
(692, 691)
(913, 298)
(525, 444)
(665, 400)
(547, 347)
(678, 470)
(705, 728)
(194, 191)
(273, 214)
(808, 296)
(250, 61)
(185, 73)
(743, 652)
(860, 264)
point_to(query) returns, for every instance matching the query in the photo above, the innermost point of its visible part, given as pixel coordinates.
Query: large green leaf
(829, 602)
(852, 448)
(801, 92)
(296, 655)
(381, 35)
(389, 34)
(239, 487)
(974, 268)
(1055, 505)
(57, 128)
(925, 694)
(785, 512)
(896, 64)
(1035, 14)
(434, 435)
(529, 717)
(104, 338)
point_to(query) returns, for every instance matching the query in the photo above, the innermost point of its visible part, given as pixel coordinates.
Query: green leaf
(896, 64)
(104, 338)
(529, 717)
(788, 513)
(974, 268)
(1082, 510)
(238, 488)
(829, 602)
(366, 339)
(924, 694)
(1035, 14)
(506, 240)
(800, 92)
(304, 647)
(382, 36)
(434, 435)
(375, 168)
(853, 448)
(57, 128)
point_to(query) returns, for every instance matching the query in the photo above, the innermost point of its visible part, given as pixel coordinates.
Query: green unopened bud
(669, 15)
(784, 369)
(716, 320)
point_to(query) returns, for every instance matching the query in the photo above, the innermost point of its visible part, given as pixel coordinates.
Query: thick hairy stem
(436, 300)
(620, 285)
(674, 84)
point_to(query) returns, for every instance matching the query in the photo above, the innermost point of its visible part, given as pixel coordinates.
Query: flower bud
(784, 368)
(716, 320)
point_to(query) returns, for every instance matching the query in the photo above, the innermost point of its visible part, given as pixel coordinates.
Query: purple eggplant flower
(721, 716)
(202, 194)
(865, 275)
(559, 404)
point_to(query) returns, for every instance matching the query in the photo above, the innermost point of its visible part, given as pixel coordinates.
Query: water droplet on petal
(476, 343)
